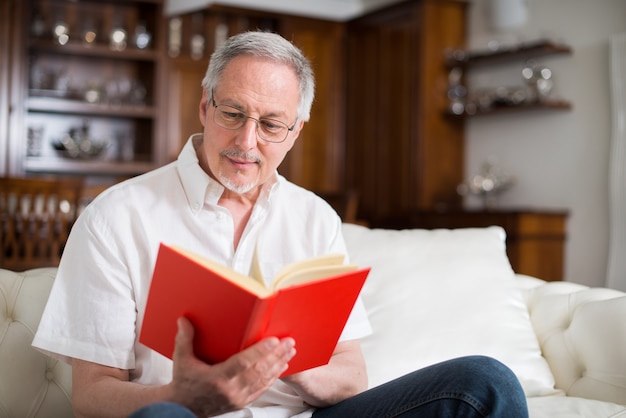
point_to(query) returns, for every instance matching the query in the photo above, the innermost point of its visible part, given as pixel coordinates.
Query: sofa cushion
(437, 294)
(573, 407)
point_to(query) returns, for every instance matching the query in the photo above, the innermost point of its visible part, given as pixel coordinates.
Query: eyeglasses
(270, 130)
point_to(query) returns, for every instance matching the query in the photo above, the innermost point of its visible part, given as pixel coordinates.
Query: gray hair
(269, 46)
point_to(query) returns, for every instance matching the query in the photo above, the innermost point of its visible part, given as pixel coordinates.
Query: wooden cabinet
(90, 76)
(402, 153)
(377, 122)
(535, 239)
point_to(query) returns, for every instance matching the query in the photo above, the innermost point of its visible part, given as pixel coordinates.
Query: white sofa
(431, 295)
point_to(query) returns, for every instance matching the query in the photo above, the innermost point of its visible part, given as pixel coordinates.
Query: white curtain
(616, 271)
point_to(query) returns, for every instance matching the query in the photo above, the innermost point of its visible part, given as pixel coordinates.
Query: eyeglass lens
(270, 130)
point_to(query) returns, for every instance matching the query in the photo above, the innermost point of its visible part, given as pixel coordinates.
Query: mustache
(241, 155)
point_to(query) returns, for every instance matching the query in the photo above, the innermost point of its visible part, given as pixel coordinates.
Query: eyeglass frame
(215, 106)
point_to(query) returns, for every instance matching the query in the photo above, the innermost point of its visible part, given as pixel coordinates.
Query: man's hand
(233, 384)
(101, 391)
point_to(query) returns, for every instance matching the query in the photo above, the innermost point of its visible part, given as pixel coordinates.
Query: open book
(310, 301)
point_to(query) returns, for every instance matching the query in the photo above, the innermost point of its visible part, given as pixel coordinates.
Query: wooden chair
(35, 217)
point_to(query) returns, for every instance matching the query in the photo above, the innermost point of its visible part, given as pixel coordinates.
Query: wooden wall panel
(185, 91)
(317, 159)
(402, 152)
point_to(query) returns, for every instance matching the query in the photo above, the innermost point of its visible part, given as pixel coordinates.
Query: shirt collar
(200, 187)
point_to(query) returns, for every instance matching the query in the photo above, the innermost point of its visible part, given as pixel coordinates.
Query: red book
(310, 302)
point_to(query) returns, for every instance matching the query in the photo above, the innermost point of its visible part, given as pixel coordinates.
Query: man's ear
(203, 106)
(296, 130)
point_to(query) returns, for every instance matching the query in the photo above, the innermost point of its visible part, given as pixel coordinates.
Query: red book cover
(229, 316)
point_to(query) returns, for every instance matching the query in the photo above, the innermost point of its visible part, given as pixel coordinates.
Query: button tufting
(49, 375)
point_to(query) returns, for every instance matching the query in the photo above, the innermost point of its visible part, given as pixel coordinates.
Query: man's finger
(184, 338)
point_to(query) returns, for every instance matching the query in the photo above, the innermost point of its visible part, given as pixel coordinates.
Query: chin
(237, 187)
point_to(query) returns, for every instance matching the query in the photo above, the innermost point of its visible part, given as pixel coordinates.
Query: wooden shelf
(52, 105)
(526, 51)
(552, 104)
(98, 50)
(69, 166)
(460, 61)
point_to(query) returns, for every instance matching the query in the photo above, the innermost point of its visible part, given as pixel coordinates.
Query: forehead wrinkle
(254, 84)
(234, 103)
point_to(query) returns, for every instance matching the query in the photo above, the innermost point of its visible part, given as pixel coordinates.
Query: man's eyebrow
(277, 115)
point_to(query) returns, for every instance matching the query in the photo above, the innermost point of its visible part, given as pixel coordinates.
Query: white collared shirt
(96, 306)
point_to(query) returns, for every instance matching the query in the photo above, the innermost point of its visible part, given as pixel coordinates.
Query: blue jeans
(466, 387)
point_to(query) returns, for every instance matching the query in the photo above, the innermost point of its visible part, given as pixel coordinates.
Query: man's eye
(270, 126)
(232, 115)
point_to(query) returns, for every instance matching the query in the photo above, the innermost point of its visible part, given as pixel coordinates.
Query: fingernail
(289, 345)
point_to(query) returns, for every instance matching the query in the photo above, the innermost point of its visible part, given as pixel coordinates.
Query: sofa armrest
(31, 383)
(582, 335)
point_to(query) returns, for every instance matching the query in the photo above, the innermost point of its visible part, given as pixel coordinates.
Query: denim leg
(163, 410)
(467, 387)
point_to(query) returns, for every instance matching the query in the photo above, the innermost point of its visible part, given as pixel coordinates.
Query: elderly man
(223, 198)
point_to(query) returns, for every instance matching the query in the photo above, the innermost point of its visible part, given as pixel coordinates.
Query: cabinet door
(401, 152)
(316, 161)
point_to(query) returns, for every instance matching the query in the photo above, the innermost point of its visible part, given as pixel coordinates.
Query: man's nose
(248, 136)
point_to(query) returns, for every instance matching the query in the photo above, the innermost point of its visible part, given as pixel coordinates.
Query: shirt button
(220, 216)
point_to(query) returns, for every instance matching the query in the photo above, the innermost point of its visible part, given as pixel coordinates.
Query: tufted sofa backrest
(582, 333)
(32, 385)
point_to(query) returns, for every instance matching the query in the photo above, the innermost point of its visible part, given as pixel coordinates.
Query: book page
(313, 273)
(322, 260)
(255, 269)
(241, 279)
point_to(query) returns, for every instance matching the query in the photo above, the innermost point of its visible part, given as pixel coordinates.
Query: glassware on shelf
(197, 39)
(175, 37)
(89, 33)
(34, 140)
(221, 34)
(142, 37)
(93, 92)
(118, 39)
(488, 184)
(78, 143)
(197, 47)
(538, 79)
(137, 94)
(125, 147)
(38, 25)
(61, 32)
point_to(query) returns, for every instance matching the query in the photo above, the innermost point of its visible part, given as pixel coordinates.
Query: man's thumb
(184, 338)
